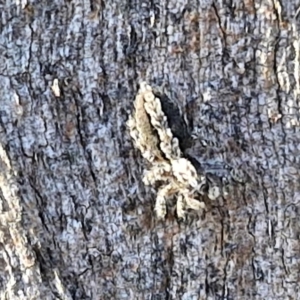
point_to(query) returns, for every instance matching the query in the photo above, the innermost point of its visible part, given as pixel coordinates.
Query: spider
(148, 127)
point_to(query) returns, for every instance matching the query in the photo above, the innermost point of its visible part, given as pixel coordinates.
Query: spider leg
(160, 204)
(192, 203)
(180, 205)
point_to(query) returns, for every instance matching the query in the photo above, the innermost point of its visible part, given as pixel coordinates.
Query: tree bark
(76, 220)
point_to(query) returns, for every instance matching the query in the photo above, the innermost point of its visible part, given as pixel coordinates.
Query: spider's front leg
(185, 201)
(191, 202)
(162, 195)
(180, 206)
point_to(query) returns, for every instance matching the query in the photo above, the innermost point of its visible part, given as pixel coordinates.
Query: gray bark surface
(76, 221)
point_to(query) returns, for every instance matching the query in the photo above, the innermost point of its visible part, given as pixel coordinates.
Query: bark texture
(76, 221)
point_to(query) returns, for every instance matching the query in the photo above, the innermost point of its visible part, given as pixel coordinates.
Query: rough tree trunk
(76, 219)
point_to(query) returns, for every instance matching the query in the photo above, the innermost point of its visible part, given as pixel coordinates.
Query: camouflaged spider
(151, 134)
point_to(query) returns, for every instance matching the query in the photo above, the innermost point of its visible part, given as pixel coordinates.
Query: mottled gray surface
(76, 221)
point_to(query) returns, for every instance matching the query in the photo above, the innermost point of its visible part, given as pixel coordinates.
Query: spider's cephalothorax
(151, 134)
